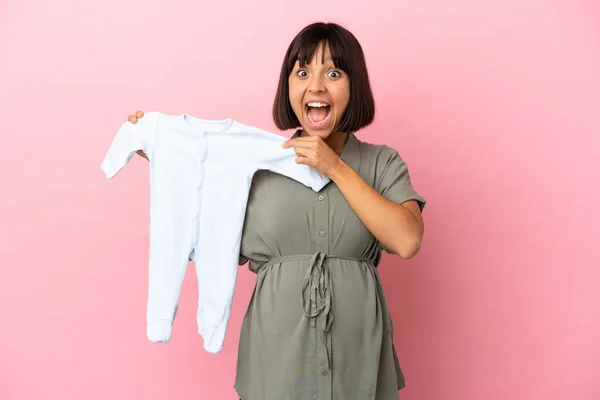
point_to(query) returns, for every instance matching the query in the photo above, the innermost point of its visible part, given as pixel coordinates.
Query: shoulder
(378, 156)
(150, 117)
(153, 119)
(382, 165)
(145, 127)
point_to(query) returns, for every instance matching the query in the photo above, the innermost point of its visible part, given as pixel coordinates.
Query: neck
(336, 141)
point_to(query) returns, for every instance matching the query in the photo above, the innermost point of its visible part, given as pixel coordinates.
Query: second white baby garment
(200, 177)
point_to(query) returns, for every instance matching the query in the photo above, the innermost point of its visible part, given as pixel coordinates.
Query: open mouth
(318, 113)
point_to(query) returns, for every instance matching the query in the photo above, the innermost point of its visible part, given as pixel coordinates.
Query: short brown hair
(347, 55)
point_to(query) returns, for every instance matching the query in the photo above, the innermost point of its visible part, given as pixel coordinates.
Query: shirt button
(320, 197)
(324, 372)
(197, 216)
(321, 233)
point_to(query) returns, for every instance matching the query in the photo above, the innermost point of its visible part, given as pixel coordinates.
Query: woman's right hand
(133, 118)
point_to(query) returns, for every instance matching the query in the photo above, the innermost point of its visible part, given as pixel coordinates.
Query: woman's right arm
(133, 118)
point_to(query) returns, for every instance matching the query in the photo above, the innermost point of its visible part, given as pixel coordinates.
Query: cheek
(342, 100)
(295, 98)
(340, 93)
(293, 95)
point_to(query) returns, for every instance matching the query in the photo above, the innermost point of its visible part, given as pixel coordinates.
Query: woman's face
(319, 93)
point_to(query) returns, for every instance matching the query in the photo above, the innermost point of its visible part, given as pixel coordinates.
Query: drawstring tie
(316, 297)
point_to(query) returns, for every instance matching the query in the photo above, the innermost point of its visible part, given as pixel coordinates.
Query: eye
(334, 74)
(302, 73)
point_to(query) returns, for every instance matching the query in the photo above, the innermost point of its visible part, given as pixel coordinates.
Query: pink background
(493, 104)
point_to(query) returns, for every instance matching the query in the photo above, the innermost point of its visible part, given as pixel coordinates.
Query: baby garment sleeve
(270, 155)
(394, 180)
(129, 139)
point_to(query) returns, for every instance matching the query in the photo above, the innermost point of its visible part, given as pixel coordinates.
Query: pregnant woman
(318, 326)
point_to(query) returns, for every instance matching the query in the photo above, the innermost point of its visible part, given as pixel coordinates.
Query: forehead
(321, 48)
(320, 55)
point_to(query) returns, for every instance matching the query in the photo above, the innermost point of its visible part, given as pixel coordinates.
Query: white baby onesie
(200, 176)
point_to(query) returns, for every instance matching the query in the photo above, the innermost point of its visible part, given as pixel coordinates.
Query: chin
(323, 134)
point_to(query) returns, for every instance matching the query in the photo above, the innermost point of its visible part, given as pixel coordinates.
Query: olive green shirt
(318, 326)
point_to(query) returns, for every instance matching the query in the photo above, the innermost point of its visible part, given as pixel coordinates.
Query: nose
(316, 84)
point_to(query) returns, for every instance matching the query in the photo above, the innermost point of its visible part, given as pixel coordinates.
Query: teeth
(317, 104)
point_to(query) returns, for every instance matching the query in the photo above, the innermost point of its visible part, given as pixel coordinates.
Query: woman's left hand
(313, 151)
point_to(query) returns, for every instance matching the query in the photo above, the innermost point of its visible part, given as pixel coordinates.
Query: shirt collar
(351, 152)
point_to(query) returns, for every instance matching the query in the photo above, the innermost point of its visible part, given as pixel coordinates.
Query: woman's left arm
(398, 227)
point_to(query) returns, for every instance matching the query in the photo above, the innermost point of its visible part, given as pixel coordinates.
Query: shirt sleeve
(394, 181)
(270, 155)
(129, 139)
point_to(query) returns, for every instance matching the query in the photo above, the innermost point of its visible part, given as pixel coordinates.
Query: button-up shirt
(200, 177)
